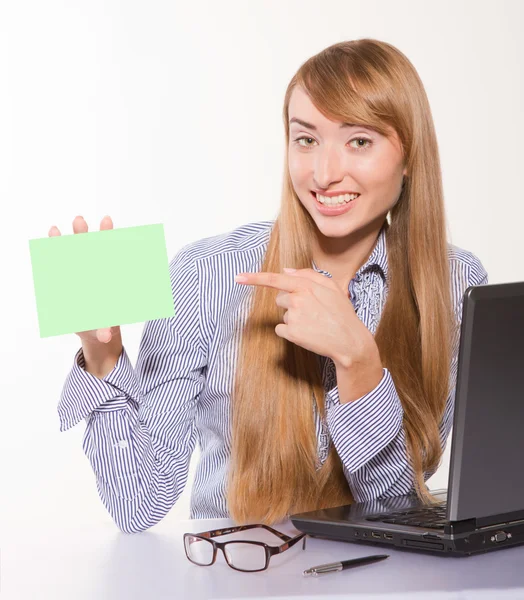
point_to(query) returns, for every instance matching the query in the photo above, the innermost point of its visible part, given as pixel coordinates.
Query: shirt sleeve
(368, 433)
(140, 431)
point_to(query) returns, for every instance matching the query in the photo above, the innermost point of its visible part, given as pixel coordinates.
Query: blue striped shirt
(142, 423)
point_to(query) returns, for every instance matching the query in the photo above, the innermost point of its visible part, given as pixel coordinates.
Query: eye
(367, 142)
(298, 140)
(361, 139)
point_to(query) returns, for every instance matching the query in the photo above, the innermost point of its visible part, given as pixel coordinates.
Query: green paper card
(100, 279)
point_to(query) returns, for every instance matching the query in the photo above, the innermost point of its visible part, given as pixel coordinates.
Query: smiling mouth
(342, 200)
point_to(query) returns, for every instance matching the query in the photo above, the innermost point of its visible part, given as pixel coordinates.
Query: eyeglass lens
(199, 550)
(248, 557)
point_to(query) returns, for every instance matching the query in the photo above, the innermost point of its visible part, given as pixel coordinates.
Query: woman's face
(327, 157)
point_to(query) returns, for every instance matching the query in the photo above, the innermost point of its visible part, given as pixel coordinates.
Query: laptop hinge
(477, 523)
(516, 515)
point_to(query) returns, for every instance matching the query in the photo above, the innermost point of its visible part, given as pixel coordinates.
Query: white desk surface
(64, 561)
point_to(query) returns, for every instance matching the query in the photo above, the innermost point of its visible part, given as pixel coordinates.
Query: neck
(343, 257)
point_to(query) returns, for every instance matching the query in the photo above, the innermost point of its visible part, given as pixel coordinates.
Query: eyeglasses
(241, 555)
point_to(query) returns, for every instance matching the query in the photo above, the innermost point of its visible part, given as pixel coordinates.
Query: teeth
(336, 200)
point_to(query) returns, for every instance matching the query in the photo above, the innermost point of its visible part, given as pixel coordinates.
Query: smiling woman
(361, 145)
(311, 388)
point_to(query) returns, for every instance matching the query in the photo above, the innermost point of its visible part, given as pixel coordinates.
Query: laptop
(482, 508)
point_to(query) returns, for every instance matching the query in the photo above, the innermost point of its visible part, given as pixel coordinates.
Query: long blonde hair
(274, 457)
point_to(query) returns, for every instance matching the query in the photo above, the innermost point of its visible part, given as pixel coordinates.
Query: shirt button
(123, 444)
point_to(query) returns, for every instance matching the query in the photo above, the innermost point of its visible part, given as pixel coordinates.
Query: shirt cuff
(362, 428)
(84, 393)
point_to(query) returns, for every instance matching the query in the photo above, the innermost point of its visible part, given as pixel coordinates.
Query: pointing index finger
(278, 281)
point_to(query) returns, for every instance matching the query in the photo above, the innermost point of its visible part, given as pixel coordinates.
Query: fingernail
(240, 278)
(288, 270)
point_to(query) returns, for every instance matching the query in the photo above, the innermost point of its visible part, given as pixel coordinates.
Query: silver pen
(344, 564)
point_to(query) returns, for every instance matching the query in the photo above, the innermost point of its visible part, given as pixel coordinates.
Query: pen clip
(320, 569)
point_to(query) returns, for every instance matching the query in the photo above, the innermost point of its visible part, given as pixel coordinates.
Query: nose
(329, 167)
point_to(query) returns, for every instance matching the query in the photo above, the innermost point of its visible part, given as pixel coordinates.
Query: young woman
(330, 384)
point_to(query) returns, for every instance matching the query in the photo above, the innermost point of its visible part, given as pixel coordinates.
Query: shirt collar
(377, 259)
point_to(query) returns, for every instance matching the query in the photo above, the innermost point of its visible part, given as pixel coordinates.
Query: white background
(170, 112)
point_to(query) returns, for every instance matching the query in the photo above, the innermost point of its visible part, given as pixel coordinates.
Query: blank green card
(100, 279)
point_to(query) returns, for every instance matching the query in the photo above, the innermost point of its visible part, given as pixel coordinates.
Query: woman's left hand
(319, 317)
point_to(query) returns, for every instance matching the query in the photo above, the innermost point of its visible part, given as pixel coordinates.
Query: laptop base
(477, 542)
(360, 523)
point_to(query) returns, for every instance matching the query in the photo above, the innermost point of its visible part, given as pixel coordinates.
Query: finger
(282, 331)
(54, 231)
(287, 283)
(284, 299)
(79, 225)
(104, 335)
(313, 275)
(106, 223)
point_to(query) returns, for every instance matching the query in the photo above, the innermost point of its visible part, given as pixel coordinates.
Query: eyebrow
(311, 126)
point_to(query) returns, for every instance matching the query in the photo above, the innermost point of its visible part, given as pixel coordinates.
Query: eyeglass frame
(270, 550)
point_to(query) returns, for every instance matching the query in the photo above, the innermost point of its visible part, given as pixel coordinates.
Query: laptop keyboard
(430, 516)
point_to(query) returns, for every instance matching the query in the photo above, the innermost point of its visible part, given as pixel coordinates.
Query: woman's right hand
(106, 339)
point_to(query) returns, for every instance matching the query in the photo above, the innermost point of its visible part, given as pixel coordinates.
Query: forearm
(136, 482)
(101, 360)
(357, 379)
(387, 474)
(139, 474)
(370, 439)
